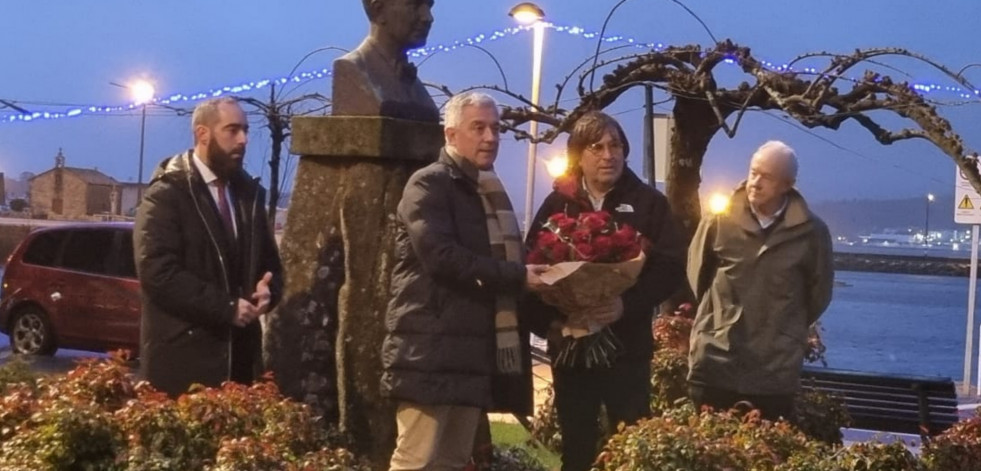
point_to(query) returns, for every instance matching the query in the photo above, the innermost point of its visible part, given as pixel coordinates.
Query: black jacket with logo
(632, 202)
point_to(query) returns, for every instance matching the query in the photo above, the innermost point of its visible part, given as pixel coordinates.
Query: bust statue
(377, 79)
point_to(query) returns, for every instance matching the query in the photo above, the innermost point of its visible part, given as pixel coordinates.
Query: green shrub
(959, 447)
(669, 380)
(877, 457)
(16, 372)
(821, 416)
(683, 439)
(545, 424)
(64, 434)
(96, 418)
(509, 458)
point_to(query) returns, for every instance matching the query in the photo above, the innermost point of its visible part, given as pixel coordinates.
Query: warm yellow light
(556, 166)
(527, 13)
(718, 203)
(930, 197)
(142, 91)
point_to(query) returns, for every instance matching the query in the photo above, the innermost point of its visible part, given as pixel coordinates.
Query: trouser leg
(457, 438)
(627, 393)
(577, 402)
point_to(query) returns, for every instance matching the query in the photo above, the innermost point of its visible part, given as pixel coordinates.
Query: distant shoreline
(907, 264)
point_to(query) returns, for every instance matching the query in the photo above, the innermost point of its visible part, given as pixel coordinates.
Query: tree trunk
(278, 135)
(695, 124)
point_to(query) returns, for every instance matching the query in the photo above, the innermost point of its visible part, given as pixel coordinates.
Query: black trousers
(625, 390)
(772, 407)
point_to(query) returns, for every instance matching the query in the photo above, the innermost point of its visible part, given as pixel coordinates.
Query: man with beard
(207, 263)
(377, 79)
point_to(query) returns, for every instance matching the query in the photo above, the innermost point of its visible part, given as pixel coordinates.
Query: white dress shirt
(211, 180)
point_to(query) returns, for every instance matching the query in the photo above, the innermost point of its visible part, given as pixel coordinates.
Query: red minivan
(72, 286)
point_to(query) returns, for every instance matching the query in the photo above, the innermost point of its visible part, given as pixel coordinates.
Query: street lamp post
(926, 223)
(142, 95)
(528, 13)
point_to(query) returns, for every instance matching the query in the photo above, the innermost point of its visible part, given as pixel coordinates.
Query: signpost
(967, 210)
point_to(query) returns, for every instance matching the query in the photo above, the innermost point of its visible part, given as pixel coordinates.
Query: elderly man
(762, 274)
(452, 322)
(377, 79)
(207, 264)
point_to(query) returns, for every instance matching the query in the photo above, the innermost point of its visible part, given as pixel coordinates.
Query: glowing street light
(718, 203)
(926, 224)
(142, 92)
(528, 13)
(557, 166)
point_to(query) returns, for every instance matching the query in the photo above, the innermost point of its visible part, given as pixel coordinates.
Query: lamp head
(142, 91)
(527, 13)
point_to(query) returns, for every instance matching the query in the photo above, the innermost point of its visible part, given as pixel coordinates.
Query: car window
(122, 263)
(43, 249)
(89, 251)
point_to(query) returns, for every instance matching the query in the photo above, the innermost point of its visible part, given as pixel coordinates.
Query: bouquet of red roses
(593, 260)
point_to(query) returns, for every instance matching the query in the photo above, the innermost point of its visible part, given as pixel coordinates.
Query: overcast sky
(62, 54)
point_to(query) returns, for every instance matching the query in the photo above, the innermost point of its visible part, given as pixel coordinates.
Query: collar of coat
(796, 213)
(570, 186)
(179, 169)
(459, 167)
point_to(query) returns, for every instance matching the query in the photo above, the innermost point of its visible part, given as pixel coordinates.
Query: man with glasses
(599, 180)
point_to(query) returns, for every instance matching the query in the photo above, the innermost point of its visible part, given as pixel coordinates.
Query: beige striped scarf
(505, 240)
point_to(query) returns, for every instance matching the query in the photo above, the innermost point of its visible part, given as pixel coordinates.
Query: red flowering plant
(593, 260)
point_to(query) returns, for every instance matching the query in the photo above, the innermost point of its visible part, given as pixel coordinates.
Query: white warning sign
(967, 202)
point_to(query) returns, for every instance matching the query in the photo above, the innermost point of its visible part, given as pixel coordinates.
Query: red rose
(555, 218)
(585, 252)
(603, 246)
(566, 224)
(594, 221)
(630, 253)
(581, 236)
(559, 252)
(624, 237)
(545, 239)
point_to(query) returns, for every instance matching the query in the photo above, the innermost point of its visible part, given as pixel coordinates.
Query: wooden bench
(922, 405)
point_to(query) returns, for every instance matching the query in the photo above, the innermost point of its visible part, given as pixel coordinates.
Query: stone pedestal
(323, 342)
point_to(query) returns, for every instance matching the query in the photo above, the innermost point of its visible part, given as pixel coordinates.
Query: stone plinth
(324, 340)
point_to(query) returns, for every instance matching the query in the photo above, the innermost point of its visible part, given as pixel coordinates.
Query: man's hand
(262, 296)
(554, 335)
(245, 313)
(533, 282)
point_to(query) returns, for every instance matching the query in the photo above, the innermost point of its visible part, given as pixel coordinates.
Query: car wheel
(30, 333)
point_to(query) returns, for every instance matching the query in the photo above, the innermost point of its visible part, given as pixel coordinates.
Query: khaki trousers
(434, 438)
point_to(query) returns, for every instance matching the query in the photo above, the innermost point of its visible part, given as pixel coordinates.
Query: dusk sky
(62, 54)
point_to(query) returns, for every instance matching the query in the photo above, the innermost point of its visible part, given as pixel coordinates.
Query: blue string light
(574, 31)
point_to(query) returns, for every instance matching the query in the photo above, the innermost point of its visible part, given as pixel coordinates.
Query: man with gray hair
(452, 322)
(206, 260)
(762, 273)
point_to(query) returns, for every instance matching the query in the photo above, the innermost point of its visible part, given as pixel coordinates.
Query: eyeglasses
(613, 147)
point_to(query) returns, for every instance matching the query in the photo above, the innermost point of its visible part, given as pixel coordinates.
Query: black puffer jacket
(191, 275)
(645, 209)
(440, 346)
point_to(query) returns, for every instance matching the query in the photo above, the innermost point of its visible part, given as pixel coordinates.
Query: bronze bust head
(377, 79)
